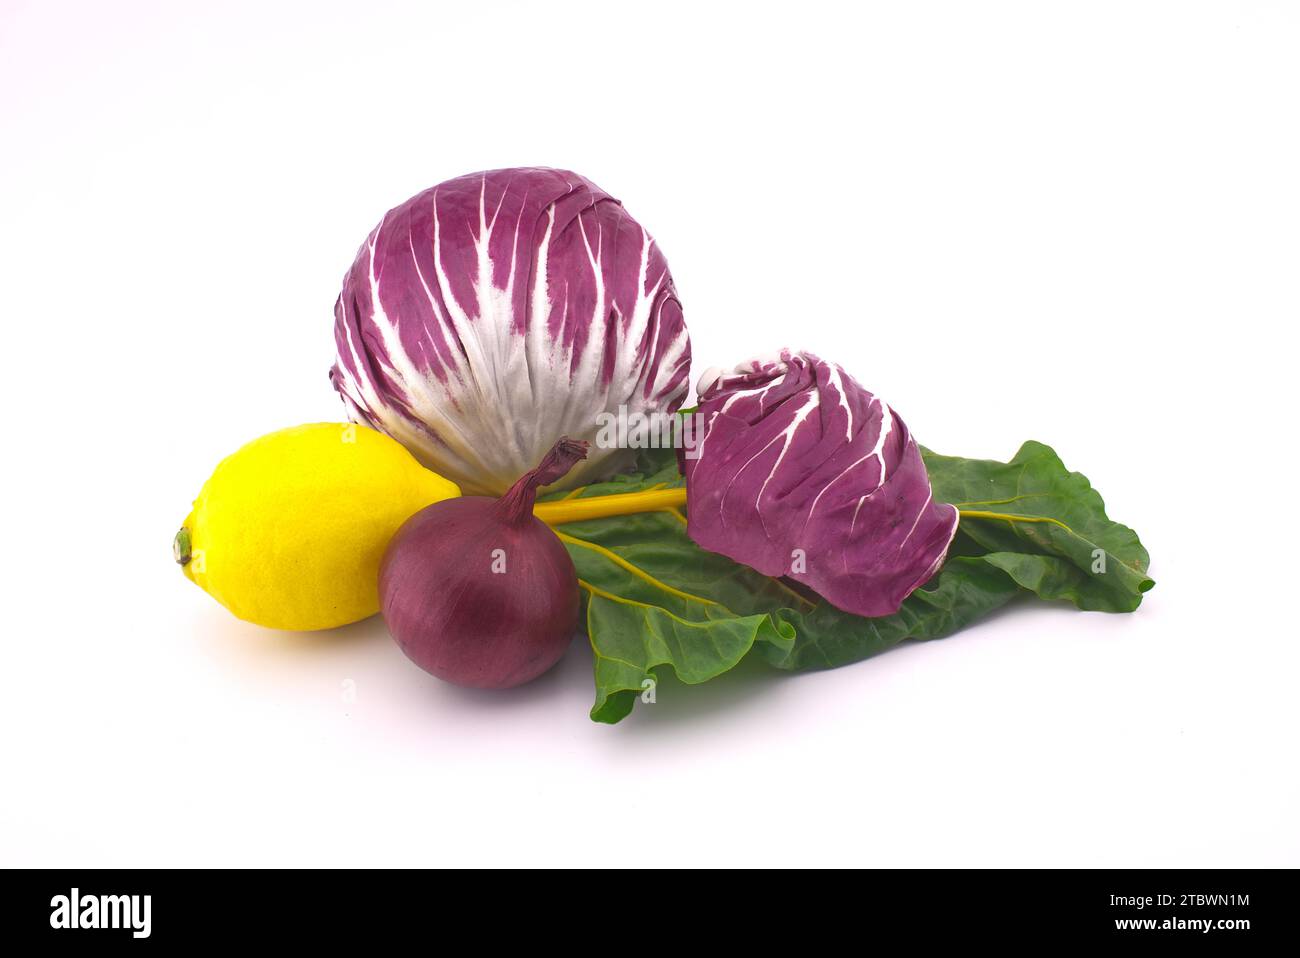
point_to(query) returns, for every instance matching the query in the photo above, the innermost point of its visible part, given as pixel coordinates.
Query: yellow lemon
(289, 531)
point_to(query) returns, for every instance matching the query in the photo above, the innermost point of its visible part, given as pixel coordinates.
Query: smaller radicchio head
(801, 472)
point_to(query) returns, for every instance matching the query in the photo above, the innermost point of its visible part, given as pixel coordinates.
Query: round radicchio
(488, 316)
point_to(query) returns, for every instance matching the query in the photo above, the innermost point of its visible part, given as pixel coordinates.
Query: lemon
(289, 531)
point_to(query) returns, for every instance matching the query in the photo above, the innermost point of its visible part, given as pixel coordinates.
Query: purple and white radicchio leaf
(802, 472)
(487, 317)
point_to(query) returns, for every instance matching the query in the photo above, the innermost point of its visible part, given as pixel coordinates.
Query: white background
(1069, 222)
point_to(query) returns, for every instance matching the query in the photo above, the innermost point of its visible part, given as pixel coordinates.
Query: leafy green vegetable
(655, 599)
(1044, 526)
(965, 589)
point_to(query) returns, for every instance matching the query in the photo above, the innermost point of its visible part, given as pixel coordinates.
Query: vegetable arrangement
(493, 326)
(655, 598)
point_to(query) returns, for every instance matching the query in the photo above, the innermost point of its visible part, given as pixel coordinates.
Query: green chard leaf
(1044, 526)
(965, 589)
(654, 599)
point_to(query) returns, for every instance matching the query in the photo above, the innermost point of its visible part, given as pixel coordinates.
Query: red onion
(480, 592)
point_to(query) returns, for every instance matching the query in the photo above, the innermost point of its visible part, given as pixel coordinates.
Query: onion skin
(480, 592)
